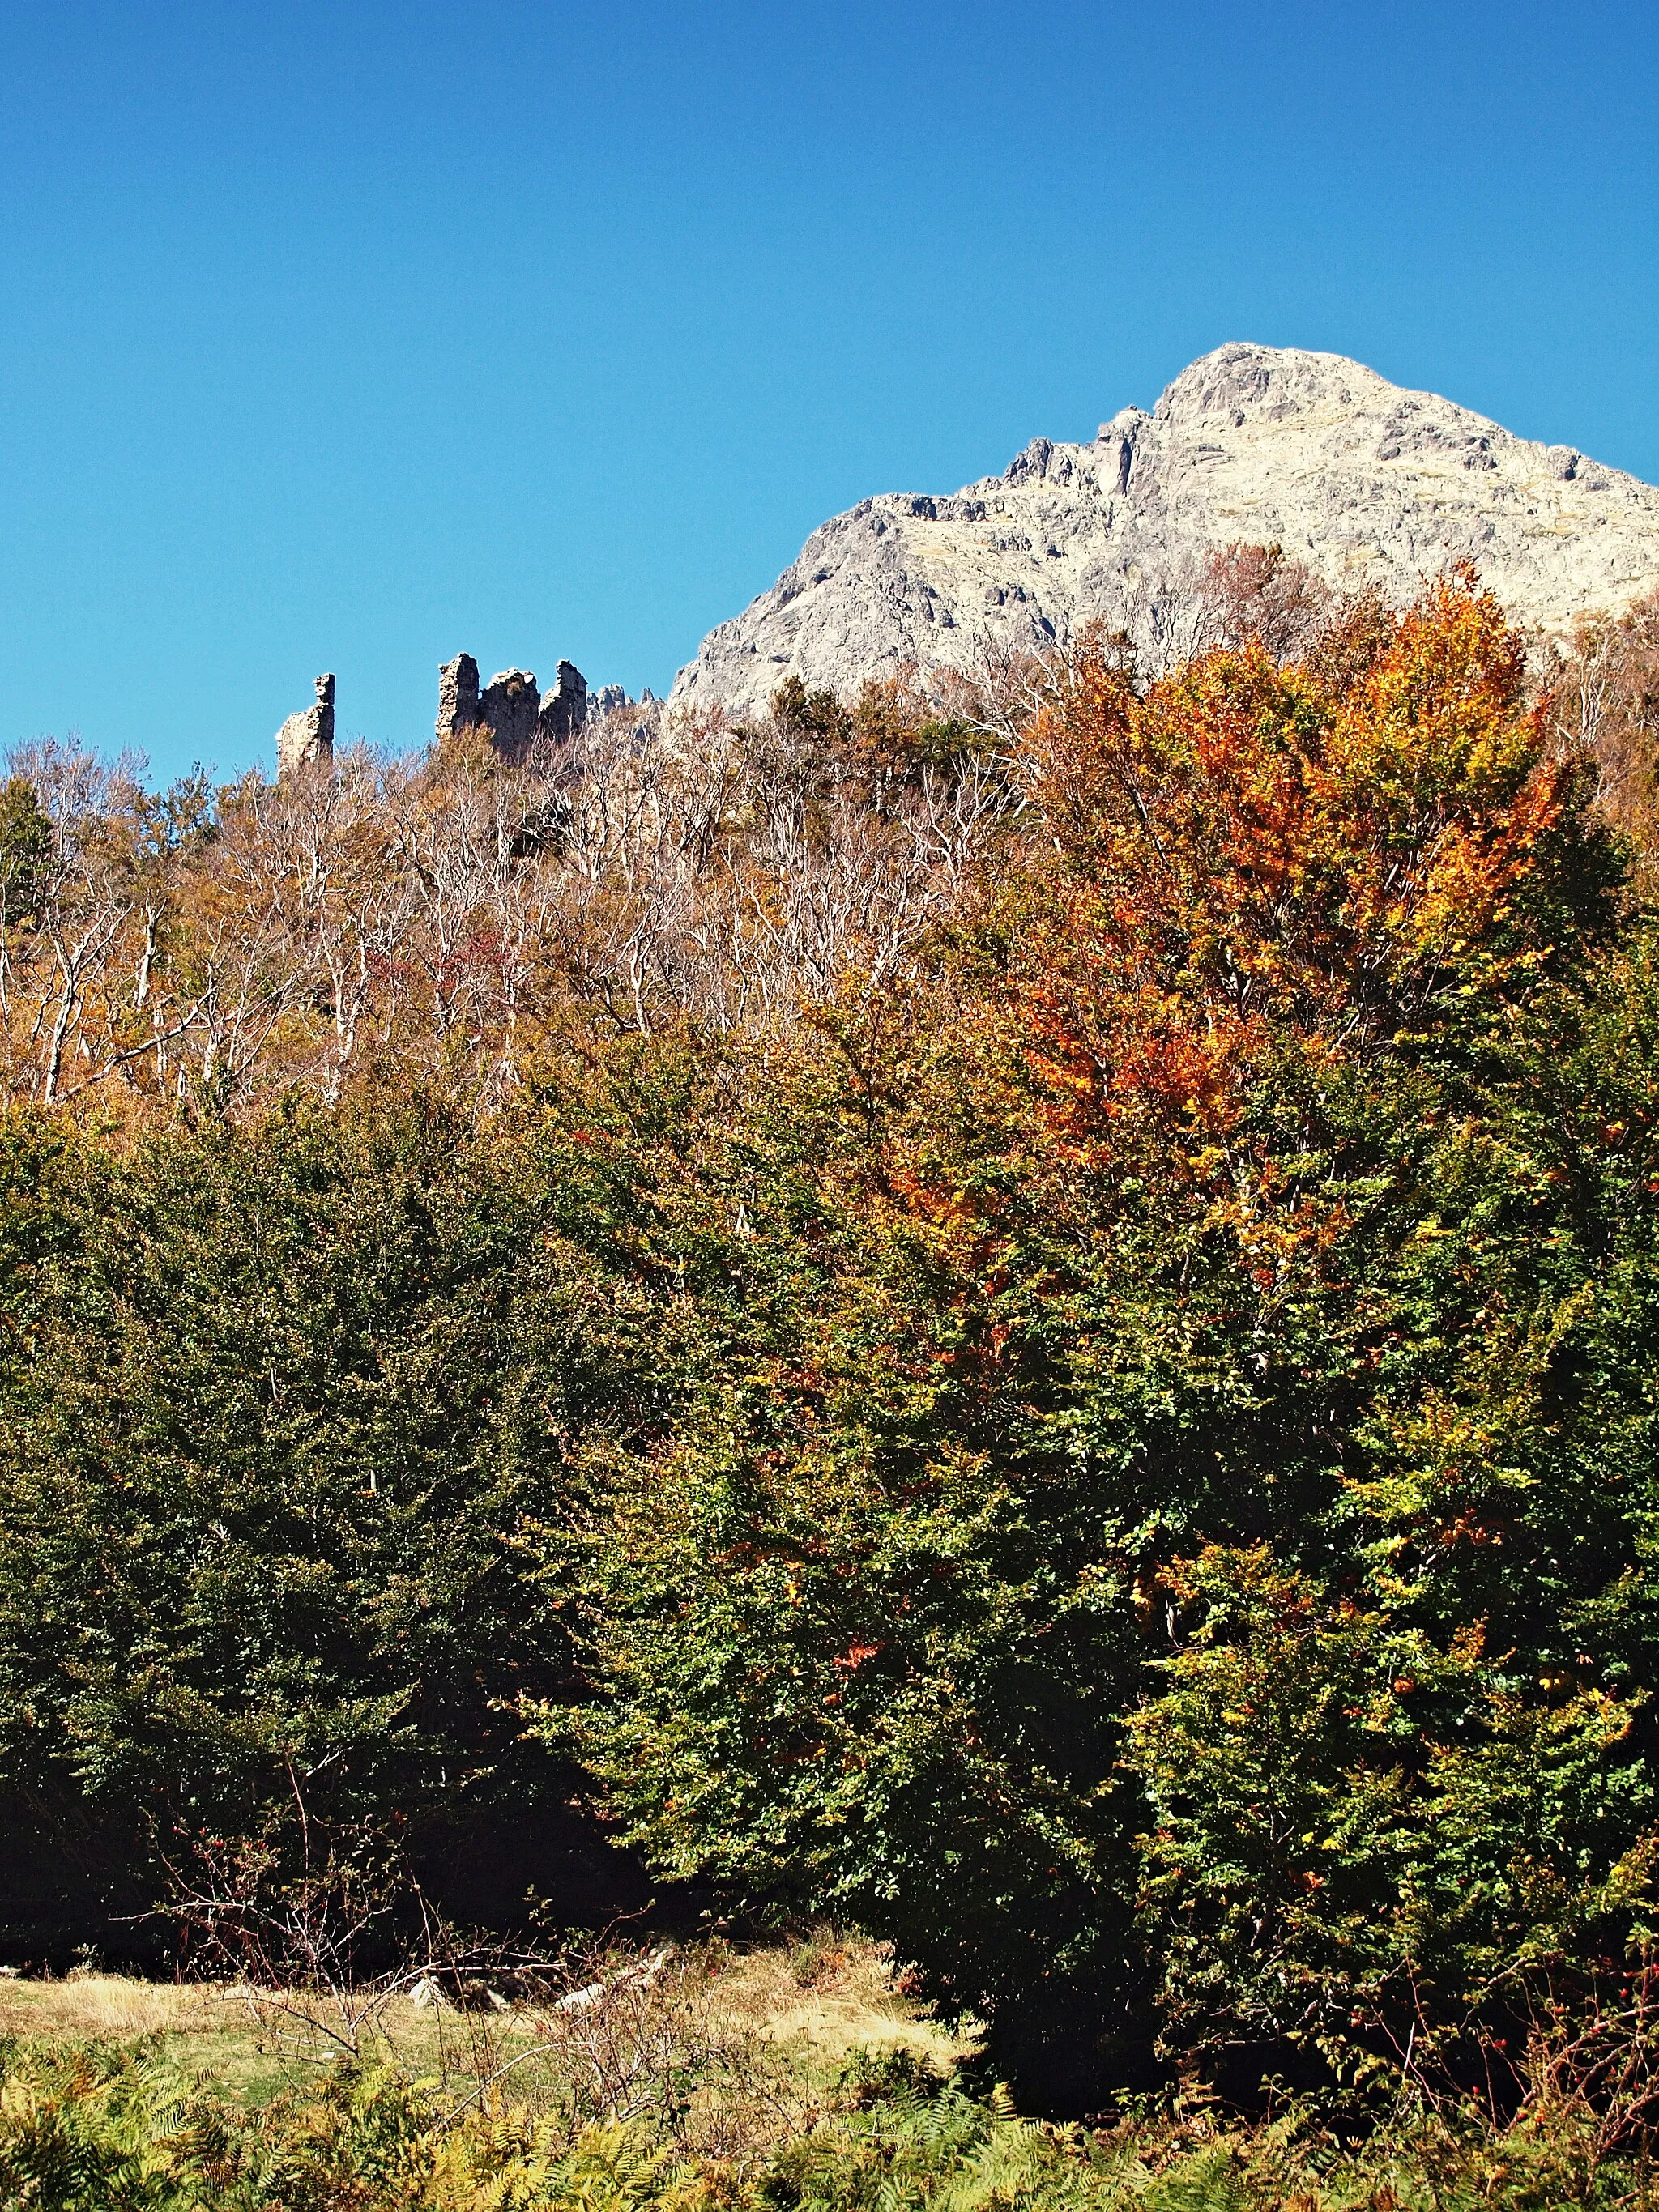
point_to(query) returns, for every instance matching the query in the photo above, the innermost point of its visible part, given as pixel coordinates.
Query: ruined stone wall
(565, 707)
(458, 696)
(305, 740)
(510, 706)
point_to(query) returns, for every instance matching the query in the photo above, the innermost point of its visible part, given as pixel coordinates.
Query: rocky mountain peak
(1368, 484)
(1273, 384)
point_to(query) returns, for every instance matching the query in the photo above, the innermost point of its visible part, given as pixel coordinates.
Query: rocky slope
(1365, 482)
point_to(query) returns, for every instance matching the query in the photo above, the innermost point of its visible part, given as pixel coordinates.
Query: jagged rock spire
(510, 706)
(305, 740)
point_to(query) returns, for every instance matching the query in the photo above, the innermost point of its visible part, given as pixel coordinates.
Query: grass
(809, 2005)
(796, 2078)
(830, 1997)
(199, 2026)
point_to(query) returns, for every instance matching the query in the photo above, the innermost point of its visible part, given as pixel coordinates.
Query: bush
(99, 2130)
(281, 1404)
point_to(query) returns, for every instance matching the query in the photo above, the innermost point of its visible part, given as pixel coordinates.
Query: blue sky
(351, 337)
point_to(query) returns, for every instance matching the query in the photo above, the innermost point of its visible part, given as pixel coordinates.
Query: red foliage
(1246, 857)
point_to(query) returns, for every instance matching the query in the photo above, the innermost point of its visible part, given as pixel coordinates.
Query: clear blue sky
(343, 336)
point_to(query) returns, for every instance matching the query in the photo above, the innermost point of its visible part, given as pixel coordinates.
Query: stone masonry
(458, 696)
(305, 740)
(510, 706)
(565, 707)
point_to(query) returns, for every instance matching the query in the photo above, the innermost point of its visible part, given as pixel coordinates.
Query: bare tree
(1605, 696)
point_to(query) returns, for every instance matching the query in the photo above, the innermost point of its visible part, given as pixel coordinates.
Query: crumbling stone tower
(565, 707)
(458, 696)
(306, 740)
(510, 706)
(507, 706)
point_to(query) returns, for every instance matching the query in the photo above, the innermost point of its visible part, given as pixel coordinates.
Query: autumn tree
(1605, 696)
(1220, 1287)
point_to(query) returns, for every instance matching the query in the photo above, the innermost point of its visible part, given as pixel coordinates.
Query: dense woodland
(1023, 1311)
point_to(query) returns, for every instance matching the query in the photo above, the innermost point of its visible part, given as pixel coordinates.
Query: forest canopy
(1024, 1312)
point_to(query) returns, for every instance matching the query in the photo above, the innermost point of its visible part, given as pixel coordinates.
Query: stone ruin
(510, 707)
(306, 740)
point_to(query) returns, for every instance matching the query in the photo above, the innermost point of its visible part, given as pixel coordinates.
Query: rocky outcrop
(458, 696)
(565, 707)
(1367, 484)
(305, 740)
(510, 706)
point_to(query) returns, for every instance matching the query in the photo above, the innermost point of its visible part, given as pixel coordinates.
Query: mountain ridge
(1368, 484)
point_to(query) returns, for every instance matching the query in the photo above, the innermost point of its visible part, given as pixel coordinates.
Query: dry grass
(827, 1998)
(809, 2004)
(203, 2028)
(90, 2005)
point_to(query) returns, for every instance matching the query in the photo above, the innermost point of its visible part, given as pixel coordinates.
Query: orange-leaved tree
(1235, 1189)
(1247, 860)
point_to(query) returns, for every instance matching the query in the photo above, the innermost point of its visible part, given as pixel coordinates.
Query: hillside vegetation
(1021, 1314)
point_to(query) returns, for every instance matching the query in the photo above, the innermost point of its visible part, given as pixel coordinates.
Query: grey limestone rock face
(564, 710)
(508, 708)
(307, 740)
(458, 696)
(1368, 484)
